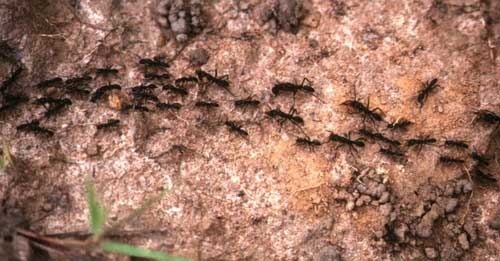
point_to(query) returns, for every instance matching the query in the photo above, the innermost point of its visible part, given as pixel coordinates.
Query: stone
(327, 253)
(384, 198)
(462, 240)
(199, 57)
(495, 222)
(430, 253)
(363, 200)
(451, 204)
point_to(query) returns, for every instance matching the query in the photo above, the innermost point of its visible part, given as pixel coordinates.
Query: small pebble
(430, 252)
(462, 240)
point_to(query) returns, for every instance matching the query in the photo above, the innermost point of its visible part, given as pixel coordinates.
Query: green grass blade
(139, 211)
(96, 209)
(129, 250)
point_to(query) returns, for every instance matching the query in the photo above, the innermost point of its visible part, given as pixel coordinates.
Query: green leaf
(129, 250)
(96, 209)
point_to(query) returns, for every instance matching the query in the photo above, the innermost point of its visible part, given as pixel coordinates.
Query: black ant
(106, 72)
(456, 144)
(78, 80)
(420, 142)
(134, 107)
(450, 160)
(75, 89)
(110, 123)
(427, 88)
(57, 81)
(234, 127)
(346, 140)
(487, 116)
(143, 88)
(145, 96)
(168, 106)
(392, 153)
(399, 124)
(206, 104)
(281, 87)
(57, 106)
(364, 109)
(294, 88)
(103, 90)
(221, 81)
(11, 79)
(34, 126)
(245, 103)
(378, 136)
(185, 80)
(157, 61)
(308, 142)
(155, 76)
(12, 100)
(483, 176)
(177, 90)
(480, 159)
(282, 117)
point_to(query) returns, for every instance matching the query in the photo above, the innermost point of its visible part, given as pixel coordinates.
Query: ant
(109, 124)
(145, 96)
(245, 103)
(281, 87)
(234, 127)
(480, 159)
(392, 153)
(346, 140)
(78, 80)
(57, 81)
(456, 144)
(294, 88)
(12, 100)
(399, 124)
(34, 126)
(106, 72)
(483, 176)
(450, 160)
(168, 106)
(186, 79)
(221, 81)
(134, 107)
(378, 136)
(206, 104)
(177, 90)
(101, 91)
(487, 116)
(157, 61)
(308, 142)
(420, 142)
(282, 117)
(56, 106)
(155, 76)
(11, 79)
(364, 109)
(426, 89)
(143, 88)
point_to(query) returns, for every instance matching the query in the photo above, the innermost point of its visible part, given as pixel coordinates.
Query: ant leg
(305, 80)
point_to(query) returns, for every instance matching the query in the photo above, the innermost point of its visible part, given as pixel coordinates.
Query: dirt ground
(262, 196)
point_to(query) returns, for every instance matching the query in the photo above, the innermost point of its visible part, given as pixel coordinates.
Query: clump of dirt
(183, 17)
(284, 15)
(430, 219)
(199, 57)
